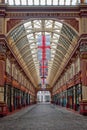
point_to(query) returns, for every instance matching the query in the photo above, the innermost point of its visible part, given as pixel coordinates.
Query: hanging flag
(43, 55)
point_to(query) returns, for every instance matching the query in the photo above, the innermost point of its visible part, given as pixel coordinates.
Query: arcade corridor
(44, 117)
(43, 64)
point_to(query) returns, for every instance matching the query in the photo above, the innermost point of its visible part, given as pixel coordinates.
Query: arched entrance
(43, 96)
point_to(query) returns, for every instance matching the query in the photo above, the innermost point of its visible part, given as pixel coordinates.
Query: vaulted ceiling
(23, 40)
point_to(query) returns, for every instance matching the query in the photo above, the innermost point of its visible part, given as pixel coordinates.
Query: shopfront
(7, 97)
(78, 95)
(64, 98)
(70, 98)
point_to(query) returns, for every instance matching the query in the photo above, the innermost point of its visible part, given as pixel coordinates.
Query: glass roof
(23, 41)
(42, 2)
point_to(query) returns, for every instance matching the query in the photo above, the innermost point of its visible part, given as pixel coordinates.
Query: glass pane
(49, 2)
(67, 2)
(36, 2)
(27, 25)
(58, 24)
(55, 2)
(61, 2)
(6, 1)
(11, 2)
(17, 2)
(74, 2)
(23, 2)
(42, 2)
(30, 2)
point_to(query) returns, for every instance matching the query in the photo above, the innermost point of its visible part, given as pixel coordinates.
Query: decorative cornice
(27, 15)
(3, 46)
(82, 39)
(3, 39)
(60, 12)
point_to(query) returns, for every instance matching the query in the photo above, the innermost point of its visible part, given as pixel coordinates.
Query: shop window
(78, 95)
(70, 97)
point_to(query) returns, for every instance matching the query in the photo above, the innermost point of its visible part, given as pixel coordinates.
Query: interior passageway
(43, 47)
(43, 96)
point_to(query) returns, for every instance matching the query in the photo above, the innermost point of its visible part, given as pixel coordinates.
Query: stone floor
(44, 117)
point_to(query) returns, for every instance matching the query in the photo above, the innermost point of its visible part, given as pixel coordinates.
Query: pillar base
(3, 109)
(19, 106)
(67, 105)
(83, 107)
(74, 107)
(12, 108)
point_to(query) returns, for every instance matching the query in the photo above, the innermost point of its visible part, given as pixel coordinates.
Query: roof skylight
(42, 2)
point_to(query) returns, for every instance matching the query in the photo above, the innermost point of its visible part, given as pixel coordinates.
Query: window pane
(30, 2)
(36, 2)
(61, 2)
(55, 2)
(43, 2)
(67, 2)
(17, 2)
(11, 2)
(74, 2)
(23, 2)
(6, 1)
(49, 2)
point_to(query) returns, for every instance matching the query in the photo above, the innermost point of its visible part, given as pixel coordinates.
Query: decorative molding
(82, 39)
(74, 23)
(11, 23)
(83, 55)
(40, 14)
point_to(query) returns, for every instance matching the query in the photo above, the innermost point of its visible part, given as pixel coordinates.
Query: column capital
(83, 46)
(3, 40)
(2, 52)
(82, 39)
(3, 47)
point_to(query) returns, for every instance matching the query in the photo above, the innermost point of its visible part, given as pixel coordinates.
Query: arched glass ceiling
(23, 42)
(42, 2)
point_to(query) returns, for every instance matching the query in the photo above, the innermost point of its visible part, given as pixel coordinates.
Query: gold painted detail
(74, 14)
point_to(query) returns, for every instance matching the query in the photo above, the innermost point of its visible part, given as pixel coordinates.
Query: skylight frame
(42, 2)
